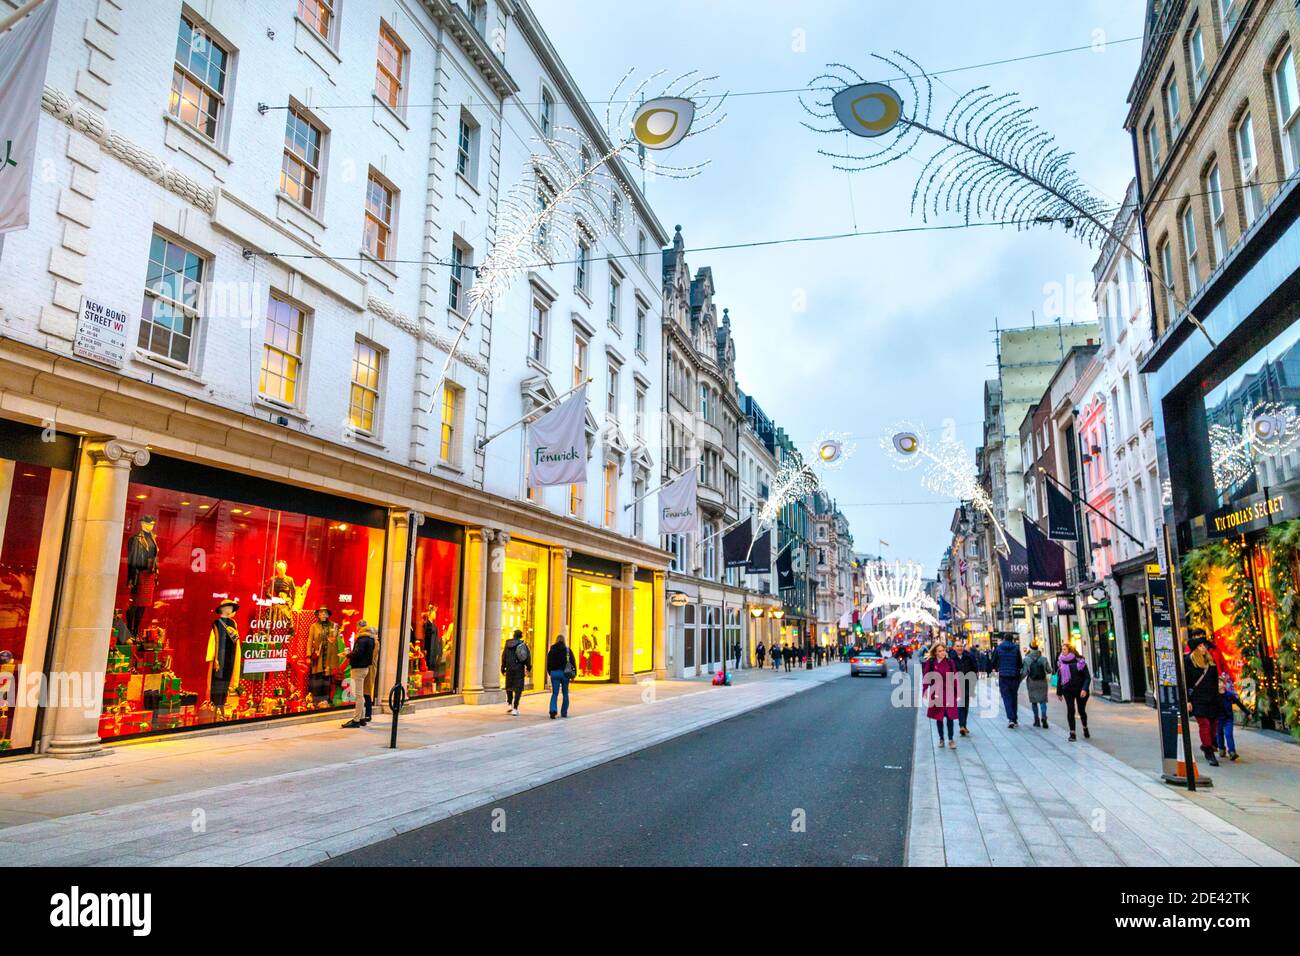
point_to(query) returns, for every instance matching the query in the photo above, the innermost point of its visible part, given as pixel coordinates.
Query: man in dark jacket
(515, 659)
(968, 668)
(1010, 667)
(360, 659)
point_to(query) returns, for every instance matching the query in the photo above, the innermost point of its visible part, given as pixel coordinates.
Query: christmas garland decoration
(1284, 541)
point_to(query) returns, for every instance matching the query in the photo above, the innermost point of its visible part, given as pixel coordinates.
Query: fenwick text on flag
(24, 55)
(557, 444)
(677, 504)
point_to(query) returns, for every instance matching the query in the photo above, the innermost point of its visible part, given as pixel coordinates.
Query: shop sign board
(101, 333)
(1270, 506)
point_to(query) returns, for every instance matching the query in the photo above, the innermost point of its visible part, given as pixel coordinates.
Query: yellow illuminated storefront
(524, 591)
(591, 626)
(644, 624)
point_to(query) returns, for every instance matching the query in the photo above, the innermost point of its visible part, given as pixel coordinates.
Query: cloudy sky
(894, 327)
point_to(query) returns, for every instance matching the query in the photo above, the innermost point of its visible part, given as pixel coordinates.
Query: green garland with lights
(1284, 686)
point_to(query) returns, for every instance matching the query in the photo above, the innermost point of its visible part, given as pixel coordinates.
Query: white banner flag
(677, 504)
(557, 444)
(24, 55)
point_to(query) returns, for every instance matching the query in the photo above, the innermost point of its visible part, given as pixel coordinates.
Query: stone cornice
(473, 45)
(40, 385)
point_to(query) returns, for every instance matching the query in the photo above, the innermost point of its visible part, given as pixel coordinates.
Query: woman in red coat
(939, 676)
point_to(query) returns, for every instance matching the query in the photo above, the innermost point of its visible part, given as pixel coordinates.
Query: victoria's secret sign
(1269, 507)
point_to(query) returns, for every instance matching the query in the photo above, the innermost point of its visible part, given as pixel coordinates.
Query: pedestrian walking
(515, 660)
(968, 671)
(1072, 683)
(1203, 696)
(760, 652)
(1224, 737)
(939, 676)
(788, 657)
(776, 657)
(1036, 677)
(1010, 666)
(735, 652)
(360, 658)
(562, 668)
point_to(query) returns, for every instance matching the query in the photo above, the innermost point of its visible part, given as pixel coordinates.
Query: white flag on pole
(24, 55)
(557, 444)
(677, 513)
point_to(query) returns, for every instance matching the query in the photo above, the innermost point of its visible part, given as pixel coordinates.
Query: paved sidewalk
(1028, 797)
(310, 808)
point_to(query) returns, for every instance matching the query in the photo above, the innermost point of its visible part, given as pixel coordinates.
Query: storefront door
(1104, 648)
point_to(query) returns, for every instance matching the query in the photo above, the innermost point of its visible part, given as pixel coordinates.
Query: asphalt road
(818, 779)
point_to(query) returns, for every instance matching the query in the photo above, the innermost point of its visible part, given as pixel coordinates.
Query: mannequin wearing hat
(323, 652)
(223, 652)
(141, 572)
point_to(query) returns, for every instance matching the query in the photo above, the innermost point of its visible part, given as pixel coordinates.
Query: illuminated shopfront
(35, 479)
(435, 589)
(305, 571)
(524, 600)
(591, 626)
(643, 602)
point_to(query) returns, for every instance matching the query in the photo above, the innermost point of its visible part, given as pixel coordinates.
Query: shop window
(688, 636)
(363, 396)
(173, 284)
(525, 599)
(228, 611)
(282, 351)
(198, 79)
(33, 500)
(643, 613)
(435, 587)
(591, 622)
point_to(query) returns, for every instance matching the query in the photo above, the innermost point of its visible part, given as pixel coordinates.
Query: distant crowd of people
(788, 656)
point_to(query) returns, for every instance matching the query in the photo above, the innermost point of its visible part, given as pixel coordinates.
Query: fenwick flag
(1046, 560)
(677, 504)
(736, 544)
(557, 444)
(760, 557)
(1015, 570)
(24, 55)
(1060, 516)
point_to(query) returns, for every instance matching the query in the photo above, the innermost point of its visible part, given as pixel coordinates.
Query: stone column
(90, 584)
(472, 612)
(492, 618)
(627, 626)
(390, 622)
(661, 627)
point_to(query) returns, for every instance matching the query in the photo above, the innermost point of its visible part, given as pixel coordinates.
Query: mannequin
(323, 652)
(282, 586)
(141, 572)
(223, 653)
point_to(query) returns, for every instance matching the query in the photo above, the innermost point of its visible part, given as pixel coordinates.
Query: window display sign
(232, 610)
(101, 333)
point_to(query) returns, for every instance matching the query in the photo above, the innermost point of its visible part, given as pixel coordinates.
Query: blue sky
(894, 327)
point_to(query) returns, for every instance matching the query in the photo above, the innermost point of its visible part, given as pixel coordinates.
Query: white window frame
(374, 391)
(1218, 217)
(1191, 248)
(539, 320)
(1286, 92)
(1196, 59)
(1248, 158)
(200, 29)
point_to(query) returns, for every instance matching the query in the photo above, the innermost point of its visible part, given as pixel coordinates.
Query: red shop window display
(228, 611)
(433, 643)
